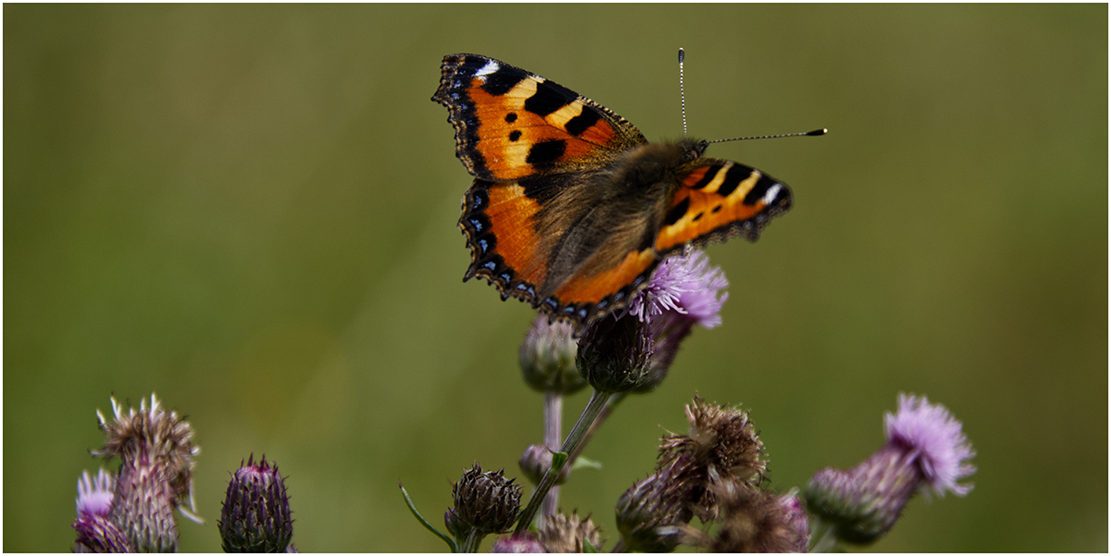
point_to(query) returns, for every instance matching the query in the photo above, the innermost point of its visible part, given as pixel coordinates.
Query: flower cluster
(134, 511)
(714, 472)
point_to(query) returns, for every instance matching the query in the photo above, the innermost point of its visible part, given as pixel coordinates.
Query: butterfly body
(571, 207)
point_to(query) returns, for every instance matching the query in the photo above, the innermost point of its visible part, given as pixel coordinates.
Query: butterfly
(571, 208)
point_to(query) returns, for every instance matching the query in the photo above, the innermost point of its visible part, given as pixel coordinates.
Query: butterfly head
(693, 149)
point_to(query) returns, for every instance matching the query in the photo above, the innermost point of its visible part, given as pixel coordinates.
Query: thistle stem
(822, 538)
(553, 416)
(593, 407)
(470, 543)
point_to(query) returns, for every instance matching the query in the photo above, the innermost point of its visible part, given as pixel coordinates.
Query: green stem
(595, 406)
(471, 541)
(822, 538)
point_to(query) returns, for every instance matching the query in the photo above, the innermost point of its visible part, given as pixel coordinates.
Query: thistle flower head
(151, 433)
(683, 291)
(547, 357)
(96, 530)
(925, 449)
(683, 284)
(563, 533)
(486, 502)
(99, 533)
(156, 472)
(931, 435)
(256, 516)
(94, 495)
(722, 446)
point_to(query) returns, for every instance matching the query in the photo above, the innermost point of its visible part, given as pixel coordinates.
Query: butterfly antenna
(816, 132)
(682, 98)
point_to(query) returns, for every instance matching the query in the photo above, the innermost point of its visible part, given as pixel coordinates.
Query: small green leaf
(585, 463)
(559, 459)
(420, 518)
(589, 548)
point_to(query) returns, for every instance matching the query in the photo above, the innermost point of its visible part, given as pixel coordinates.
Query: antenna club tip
(681, 55)
(822, 131)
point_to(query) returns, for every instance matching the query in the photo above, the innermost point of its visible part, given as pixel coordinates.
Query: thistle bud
(256, 515)
(487, 502)
(547, 357)
(615, 354)
(536, 461)
(650, 513)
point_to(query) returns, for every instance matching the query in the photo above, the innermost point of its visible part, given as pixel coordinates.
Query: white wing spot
(489, 68)
(772, 193)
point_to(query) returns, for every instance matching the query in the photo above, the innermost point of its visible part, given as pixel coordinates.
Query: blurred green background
(250, 210)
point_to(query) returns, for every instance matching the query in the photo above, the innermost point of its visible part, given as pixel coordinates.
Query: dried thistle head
(156, 472)
(153, 433)
(566, 534)
(721, 446)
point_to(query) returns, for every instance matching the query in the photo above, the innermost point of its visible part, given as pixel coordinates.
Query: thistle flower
(99, 533)
(547, 357)
(755, 520)
(94, 496)
(96, 531)
(255, 516)
(925, 450)
(155, 475)
(634, 351)
(565, 534)
(485, 503)
(721, 447)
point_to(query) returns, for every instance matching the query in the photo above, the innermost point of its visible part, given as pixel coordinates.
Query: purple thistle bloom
(933, 437)
(94, 496)
(686, 285)
(925, 449)
(99, 533)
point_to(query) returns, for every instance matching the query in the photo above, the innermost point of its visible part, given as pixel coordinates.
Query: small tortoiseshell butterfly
(571, 208)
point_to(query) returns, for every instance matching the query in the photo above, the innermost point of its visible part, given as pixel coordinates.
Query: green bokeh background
(251, 210)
